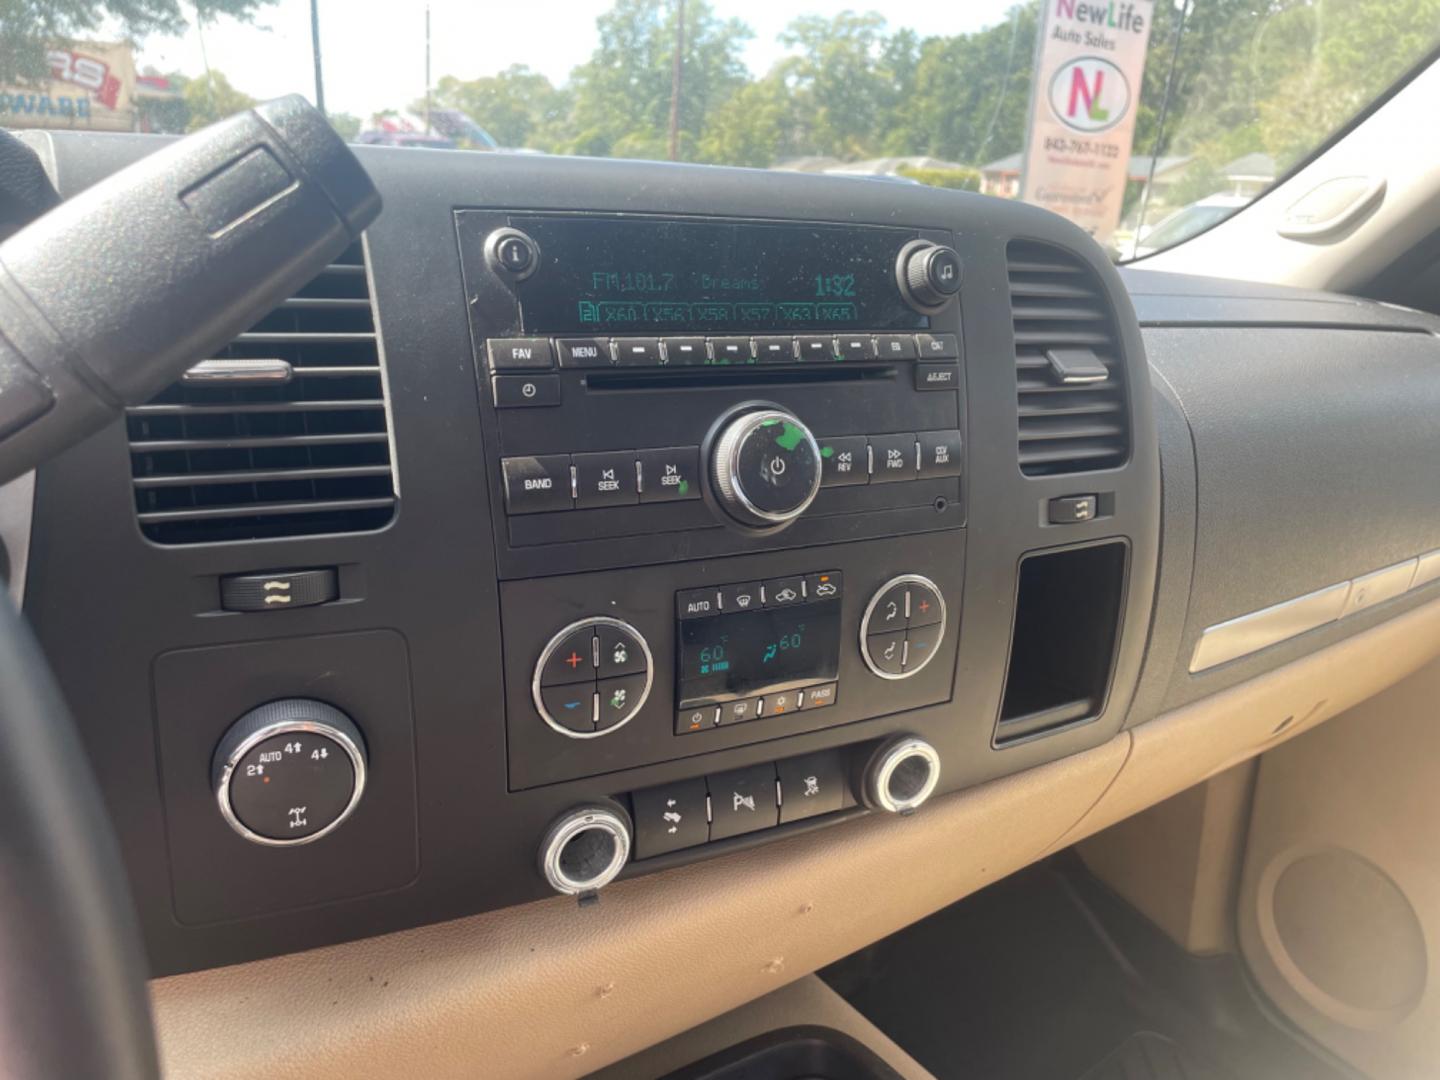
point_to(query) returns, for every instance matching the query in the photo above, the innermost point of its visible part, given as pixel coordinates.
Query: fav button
(669, 817)
(810, 785)
(606, 479)
(742, 801)
(519, 354)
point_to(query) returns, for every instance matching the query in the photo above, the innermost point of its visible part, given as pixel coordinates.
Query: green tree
(842, 94)
(211, 98)
(29, 27)
(622, 93)
(346, 125)
(519, 107)
(754, 127)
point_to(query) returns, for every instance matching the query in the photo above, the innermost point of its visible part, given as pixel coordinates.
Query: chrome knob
(901, 775)
(585, 849)
(766, 468)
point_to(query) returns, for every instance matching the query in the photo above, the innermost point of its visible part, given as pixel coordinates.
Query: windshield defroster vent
(283, 433)
(1069, 373)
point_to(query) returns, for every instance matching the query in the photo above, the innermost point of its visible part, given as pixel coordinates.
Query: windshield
(1118, 114)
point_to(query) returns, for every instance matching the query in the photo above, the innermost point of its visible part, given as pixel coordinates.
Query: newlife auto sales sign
(1089, 61)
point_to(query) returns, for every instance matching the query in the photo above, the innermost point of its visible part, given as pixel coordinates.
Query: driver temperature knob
(766, 468)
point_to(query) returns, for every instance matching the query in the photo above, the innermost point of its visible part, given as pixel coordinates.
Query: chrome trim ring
(286, 727)
(727, 466)
(566, 828)
(554, 643)
(882, 768)
(902, 579)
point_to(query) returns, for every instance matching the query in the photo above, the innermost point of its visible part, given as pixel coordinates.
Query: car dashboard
(593, 519)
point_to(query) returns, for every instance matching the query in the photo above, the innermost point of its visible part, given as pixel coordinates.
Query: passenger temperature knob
(765, 468)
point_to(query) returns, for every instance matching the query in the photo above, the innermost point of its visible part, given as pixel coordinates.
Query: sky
(373, 51)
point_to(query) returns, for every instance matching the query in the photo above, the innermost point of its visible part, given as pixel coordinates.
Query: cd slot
(749, 375)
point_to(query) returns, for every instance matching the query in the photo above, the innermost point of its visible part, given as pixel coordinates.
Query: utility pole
(427, 69)
(315, 47)
(676, 78)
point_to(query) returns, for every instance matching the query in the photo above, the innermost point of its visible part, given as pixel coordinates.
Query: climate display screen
(653, 276)
(754, 652)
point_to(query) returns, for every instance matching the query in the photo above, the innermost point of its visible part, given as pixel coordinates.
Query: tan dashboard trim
(551, 990)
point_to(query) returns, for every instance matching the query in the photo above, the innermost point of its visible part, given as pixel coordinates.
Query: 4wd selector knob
(765, 467)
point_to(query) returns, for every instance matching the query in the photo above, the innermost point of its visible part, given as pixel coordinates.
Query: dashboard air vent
(283, 433)
(1068, 368)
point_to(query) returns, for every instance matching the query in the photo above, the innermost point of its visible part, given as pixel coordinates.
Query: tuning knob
(289, 772)
(765, 468)
(928, 274)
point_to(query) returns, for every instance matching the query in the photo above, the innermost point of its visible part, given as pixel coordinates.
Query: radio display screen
(724, 657)
(654, 275)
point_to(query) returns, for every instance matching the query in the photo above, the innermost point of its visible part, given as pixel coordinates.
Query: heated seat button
(620, 653)
(572, 660)
(534, 485)
(279, 591)
(583, 352)
(637, 352)
(519, 354)
(619, 698)
(844, 460)
(742, 801)
(669, 474)
(939, 453)
(811, 785)
(892, 458)
(572, 707)
(669, 817)
(606, 479)
(887, 651)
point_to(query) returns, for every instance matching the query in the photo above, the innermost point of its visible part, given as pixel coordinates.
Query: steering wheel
(219, 227)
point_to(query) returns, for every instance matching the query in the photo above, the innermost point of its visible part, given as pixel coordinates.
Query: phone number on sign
(1061, 145)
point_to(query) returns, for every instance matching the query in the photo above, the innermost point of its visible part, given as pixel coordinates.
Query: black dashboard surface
(1312, 405)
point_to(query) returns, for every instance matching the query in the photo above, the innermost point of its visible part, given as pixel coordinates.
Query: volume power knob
(766, 468)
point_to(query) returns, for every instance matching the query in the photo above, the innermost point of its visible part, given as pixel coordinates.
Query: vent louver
(283, 433)
(1069, 373)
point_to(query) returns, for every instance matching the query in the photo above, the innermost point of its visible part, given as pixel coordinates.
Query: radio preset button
(939, 453)
(895, 347)
(887, 651)
(938, 346)
(892, 458)
(525, 391)
(700, 718)
(686, 352)
(605, 479)
(534, 485)
(669, 474)
(844, 461)
(824, 586)
(781, 592)
(744, 597)
(583, 352)
(572, 707)
(742, 801)
(855, 346)
(937, 377)
(731, 350)
(520, 354)
(811, 348)
(697, 603)
(637, 352)
(775, 350)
